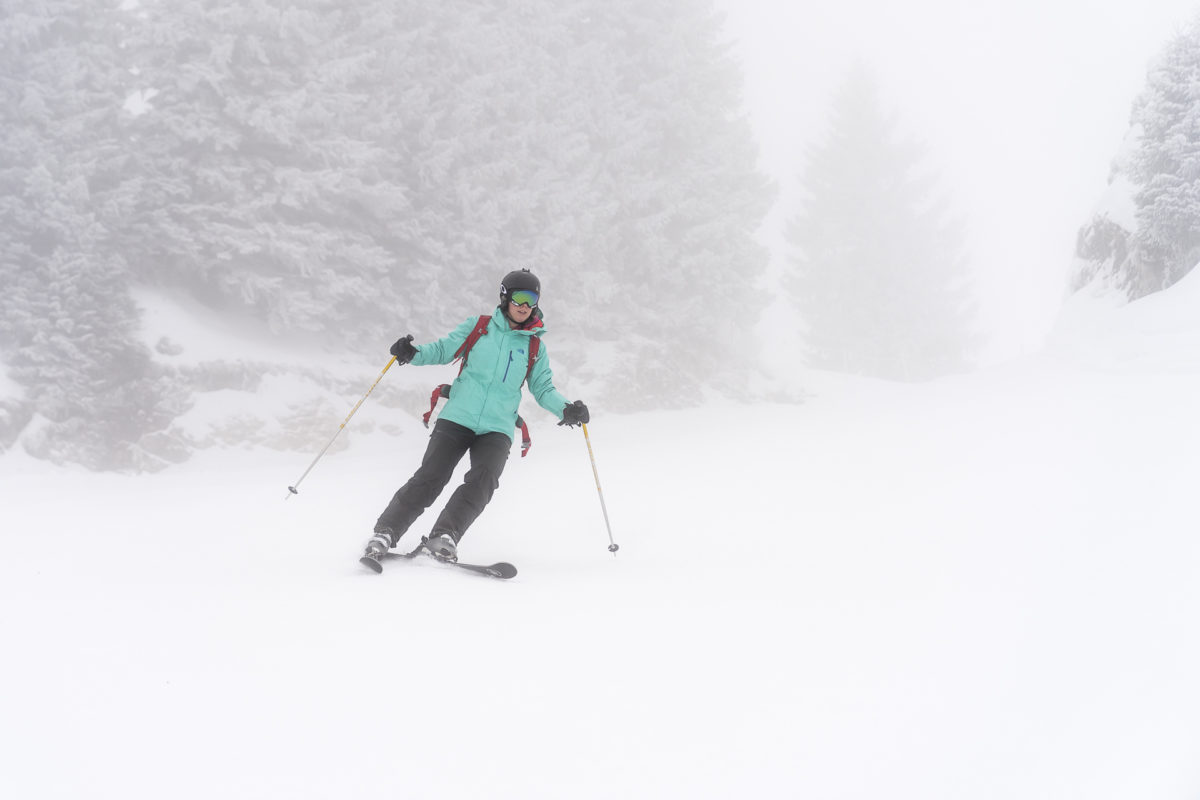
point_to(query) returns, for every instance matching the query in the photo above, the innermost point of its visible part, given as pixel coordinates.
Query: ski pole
(613, 546)
(292, 489)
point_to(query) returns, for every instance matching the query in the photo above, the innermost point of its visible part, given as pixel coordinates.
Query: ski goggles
(523, 297)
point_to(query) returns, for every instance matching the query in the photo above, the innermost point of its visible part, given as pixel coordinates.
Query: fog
(617, 154)
(1022, 106)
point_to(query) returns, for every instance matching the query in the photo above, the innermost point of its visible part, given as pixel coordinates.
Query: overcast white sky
(1022, 103)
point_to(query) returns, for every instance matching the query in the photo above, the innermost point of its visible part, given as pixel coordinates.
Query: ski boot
(378, 544)
(442, 546)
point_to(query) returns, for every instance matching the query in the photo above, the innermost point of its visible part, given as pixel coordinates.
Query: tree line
(352, 172)
(356, 171)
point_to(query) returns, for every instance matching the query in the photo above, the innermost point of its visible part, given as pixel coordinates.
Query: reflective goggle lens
(524, 297)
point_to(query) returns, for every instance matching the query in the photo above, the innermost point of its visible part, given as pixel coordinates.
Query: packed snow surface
(981, 587)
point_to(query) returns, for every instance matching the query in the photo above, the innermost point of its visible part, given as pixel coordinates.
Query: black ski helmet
(518, 279)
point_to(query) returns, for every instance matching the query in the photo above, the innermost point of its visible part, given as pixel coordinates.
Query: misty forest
(344, 175)
(348, 174)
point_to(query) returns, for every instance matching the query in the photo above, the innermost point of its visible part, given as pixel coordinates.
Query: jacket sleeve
(442, 351)
(541, 384)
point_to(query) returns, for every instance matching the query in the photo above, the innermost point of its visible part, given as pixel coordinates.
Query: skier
(479, 417)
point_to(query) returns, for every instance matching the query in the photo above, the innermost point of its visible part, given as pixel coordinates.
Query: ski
(501, 569)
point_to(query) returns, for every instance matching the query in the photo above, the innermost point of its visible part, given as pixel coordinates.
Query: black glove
(575, 414)
(403, 349)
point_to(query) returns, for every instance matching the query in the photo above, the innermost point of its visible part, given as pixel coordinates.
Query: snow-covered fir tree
(877, 270)
(265, 186)
(358, 172)
(89, 391)
(417, 154)
(673, 198)
(1145, 235)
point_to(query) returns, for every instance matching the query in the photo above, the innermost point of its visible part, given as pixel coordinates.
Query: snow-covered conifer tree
(877, 270)
(364, 170)
(1146, 234)
(259, 162)
(67, 326)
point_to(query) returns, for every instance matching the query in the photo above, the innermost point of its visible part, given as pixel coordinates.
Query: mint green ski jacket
(486, 394)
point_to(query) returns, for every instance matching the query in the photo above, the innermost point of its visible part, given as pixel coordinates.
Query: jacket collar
(532, 325)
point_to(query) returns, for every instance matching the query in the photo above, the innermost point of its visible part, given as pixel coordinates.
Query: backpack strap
(526, 442)
(438, 392)
(480, 329)
(535, 344)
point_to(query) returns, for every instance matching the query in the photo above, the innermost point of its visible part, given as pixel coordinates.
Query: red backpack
(480, 329)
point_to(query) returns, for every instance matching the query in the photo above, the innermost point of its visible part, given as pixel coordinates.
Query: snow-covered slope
(982, 587)
(1157, 333)
(240, 383)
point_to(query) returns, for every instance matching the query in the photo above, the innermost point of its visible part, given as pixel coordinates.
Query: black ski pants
(448, 443)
